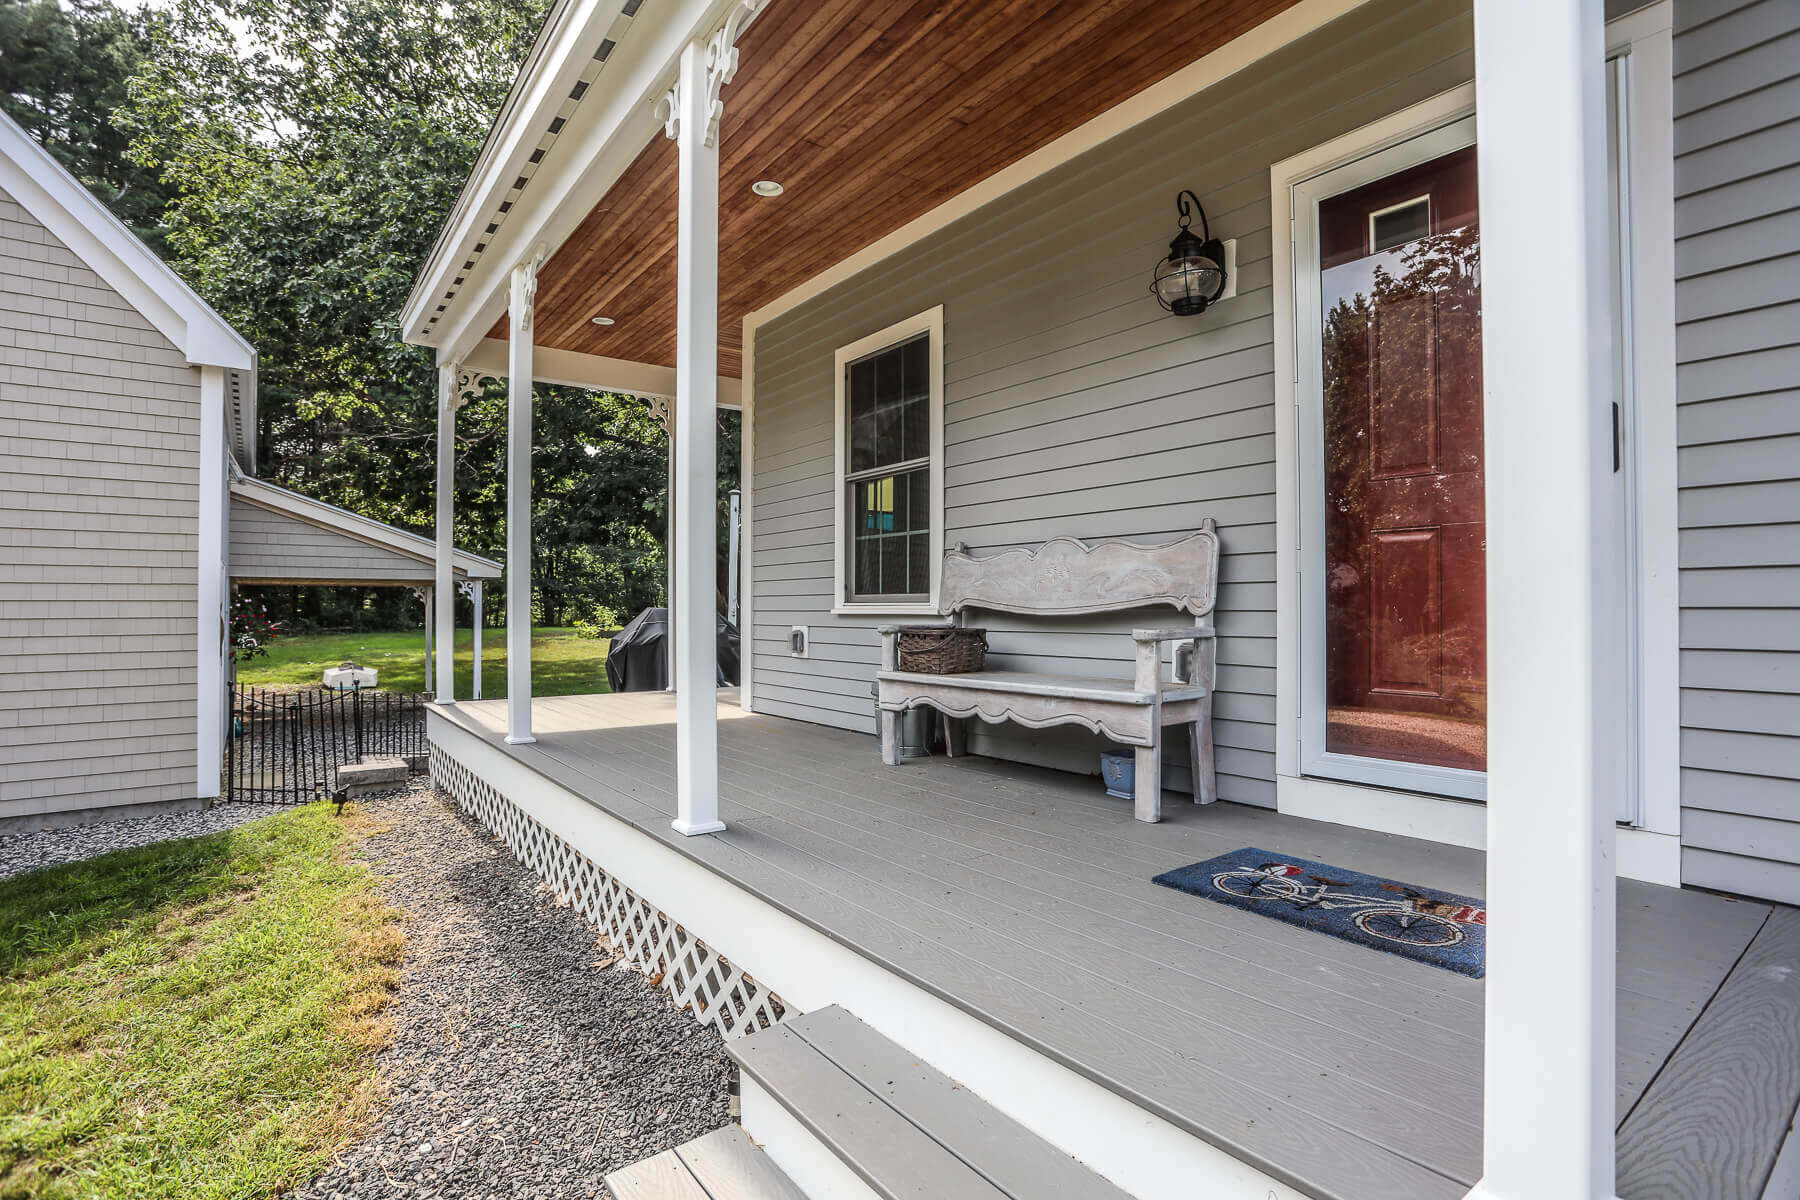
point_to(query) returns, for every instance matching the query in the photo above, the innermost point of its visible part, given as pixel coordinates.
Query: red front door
(1405, 578)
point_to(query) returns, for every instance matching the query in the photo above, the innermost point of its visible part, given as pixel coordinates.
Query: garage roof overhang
(317, 513)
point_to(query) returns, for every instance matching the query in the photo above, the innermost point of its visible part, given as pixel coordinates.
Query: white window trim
(1646, 38)
(931, 322)
(1650, 849)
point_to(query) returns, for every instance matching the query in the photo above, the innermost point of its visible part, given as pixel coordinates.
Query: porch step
(904, 1128)
(723, 1165)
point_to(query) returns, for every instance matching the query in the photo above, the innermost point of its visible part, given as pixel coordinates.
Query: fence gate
(286, 746)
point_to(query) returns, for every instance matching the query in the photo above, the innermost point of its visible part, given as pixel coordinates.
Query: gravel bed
(20, 852)
(524, 1062)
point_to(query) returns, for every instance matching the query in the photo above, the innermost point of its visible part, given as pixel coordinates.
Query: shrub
(600, 623)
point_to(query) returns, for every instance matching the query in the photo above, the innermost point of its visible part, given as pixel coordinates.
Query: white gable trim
(77, 219)
(342, 520)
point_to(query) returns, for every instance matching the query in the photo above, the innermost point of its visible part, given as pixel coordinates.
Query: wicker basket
(942, 650)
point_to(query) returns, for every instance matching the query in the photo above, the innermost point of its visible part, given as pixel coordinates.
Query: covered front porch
(999, 921)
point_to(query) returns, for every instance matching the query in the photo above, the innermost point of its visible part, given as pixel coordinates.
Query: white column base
(1486, 1191)
(695, 829)
(522, 740)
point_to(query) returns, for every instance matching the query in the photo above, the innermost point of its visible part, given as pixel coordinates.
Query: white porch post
(1550, 888)
(426, 595)
(692, 115)
(663, 412)
(472, 589)
(446, 534)
(521, 306)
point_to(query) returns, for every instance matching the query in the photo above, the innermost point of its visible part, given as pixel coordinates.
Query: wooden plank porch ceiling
(870, 113)
(1023, 896)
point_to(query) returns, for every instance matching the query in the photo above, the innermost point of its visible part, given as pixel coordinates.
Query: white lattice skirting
(698, 978)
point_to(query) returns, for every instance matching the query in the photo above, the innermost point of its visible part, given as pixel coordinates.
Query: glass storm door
(1393, 556)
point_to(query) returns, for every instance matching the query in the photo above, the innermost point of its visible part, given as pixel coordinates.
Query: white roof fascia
(601, 138)
(76, 218)
(316, 512)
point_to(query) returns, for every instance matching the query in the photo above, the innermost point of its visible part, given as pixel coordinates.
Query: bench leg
(1201, 757)
(890, 738)
(956, 736)
(1147, 806)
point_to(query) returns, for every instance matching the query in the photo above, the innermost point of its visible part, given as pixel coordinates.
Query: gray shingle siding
(275, 547)
(1073, 405)
(1737, 259)
(99, 506)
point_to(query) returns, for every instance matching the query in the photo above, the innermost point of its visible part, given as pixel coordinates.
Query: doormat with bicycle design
(1432, 927)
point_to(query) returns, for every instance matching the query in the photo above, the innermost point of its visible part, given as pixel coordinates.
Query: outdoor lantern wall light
(1193, 275)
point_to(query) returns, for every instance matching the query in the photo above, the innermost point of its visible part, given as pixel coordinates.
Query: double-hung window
(889, 505)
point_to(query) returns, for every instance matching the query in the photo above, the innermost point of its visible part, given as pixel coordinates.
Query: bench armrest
(890, 647)
(1147, 636)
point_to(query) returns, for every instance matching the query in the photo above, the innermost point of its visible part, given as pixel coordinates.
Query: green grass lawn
(562, 664)
(195, 1019)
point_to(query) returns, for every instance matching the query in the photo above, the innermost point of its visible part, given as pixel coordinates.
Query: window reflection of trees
(1401, 361)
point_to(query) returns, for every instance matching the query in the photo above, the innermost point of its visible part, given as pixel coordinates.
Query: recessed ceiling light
(603, 320)
(766, 187)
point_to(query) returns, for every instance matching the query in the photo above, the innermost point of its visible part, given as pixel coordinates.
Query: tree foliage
(304, 154)
(63, 72)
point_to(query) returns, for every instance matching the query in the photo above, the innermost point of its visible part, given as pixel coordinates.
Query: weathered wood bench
(1065, 577)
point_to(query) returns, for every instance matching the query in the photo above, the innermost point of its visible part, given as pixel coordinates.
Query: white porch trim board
(213, 591)
(1135, 1149)
(1551, 952)
(692, 110)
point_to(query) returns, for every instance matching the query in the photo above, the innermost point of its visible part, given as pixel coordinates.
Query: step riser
(807, 1161)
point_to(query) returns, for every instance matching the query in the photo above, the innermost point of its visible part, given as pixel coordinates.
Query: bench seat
(1067, 687)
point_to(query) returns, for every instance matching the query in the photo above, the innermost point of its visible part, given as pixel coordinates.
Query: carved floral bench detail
(1065, 577)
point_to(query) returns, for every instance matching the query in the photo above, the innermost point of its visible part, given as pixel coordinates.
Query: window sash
(905, 539)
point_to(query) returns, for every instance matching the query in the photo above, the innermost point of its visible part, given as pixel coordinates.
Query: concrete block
(372, 774)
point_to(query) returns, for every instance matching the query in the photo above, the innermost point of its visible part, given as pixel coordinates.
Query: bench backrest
(1067, 577)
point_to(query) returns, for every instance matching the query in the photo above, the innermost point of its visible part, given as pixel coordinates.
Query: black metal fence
(286, 747)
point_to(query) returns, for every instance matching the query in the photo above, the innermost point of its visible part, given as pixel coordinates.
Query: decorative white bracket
(467, 587)
(662, 413)
(467, 385)
(523, 320)
(721, 68)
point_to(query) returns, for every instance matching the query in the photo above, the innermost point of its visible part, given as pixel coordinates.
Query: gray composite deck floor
(1023, 896)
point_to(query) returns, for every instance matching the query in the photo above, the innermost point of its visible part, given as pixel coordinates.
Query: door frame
(1649, 847)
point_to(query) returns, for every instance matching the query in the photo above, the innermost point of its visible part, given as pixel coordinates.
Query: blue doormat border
(1440, 929)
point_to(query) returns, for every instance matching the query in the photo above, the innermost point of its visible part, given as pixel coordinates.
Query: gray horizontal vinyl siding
(99, 510)
(1073, 404)
(275, 547)
(1737, 259)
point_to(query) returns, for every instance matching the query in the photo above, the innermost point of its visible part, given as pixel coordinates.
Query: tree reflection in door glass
(1405, 582)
